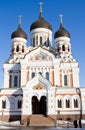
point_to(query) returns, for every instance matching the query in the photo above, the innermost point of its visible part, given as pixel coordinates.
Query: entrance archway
(39, 107)
(43, 105)
(35, 105)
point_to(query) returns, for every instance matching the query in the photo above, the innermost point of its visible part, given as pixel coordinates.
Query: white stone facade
(41, 79)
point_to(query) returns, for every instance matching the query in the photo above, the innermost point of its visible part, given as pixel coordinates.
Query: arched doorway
(35, 105)
(39, 107)
(43, 105)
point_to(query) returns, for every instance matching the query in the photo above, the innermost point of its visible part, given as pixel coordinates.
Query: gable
(38, 83)
(39, 55)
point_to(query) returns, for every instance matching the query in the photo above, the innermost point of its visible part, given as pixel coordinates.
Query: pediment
(39, 55)
(38, 83)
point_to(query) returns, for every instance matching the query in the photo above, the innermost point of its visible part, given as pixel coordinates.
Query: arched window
(59, 103)
(48, 42)
(58, 49)
(65, 80)
(63, 48)
(33, 75)
(47, 75)
(4, 104)
(67, 103)
(40, 40)
(19, 105)
(15, 81)
(75, 103)
(33, 41)
(68, 49)
(22, 48)
(17, 49)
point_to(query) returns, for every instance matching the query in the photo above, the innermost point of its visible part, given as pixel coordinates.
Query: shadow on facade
(15, 102)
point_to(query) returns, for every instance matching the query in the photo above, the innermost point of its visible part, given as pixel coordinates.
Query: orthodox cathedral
(41, 79)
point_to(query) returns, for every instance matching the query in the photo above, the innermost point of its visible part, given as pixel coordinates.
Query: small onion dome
(19, 33)
(40, 23)
(62, 32)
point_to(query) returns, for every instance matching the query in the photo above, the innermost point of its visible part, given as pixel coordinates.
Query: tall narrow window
(3, 104)
(15, 81)
(48, 42)
(57, 49)
(68, 49)
(19, 105)
(75, 103)
(33, 41)
(47, 75)
(22, 48)
(63, 48)
(59, 103)
(33, 75)
(65, 80)
(67, 103)
(17, 49)
(40, 40)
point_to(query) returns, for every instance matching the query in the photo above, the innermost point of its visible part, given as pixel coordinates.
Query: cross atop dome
(19, 32)
(61, 20)
(41, 3)
(20, 20)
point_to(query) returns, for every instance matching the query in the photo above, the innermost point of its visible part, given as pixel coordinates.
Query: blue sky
(73, 20)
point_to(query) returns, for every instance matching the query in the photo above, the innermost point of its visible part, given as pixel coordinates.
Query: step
(41, 120)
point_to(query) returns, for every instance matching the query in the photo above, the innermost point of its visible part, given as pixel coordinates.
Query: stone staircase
(41, 120)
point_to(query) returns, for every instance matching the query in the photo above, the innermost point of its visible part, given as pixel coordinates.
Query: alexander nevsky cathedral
(41, 81)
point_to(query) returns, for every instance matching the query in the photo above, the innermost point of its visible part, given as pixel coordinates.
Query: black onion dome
(19, 33)
(62, 32)
(40, 23)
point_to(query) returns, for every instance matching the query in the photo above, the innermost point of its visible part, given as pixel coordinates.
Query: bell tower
(62, 40)
(19, 40)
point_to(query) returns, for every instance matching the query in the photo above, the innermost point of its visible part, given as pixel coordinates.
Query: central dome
(40, 23)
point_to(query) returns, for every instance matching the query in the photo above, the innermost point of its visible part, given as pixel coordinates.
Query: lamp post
(79, 93)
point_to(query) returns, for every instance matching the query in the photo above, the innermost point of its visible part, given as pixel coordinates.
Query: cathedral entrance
(39, 106)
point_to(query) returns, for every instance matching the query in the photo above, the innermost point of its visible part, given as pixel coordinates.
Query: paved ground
(36, 128)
